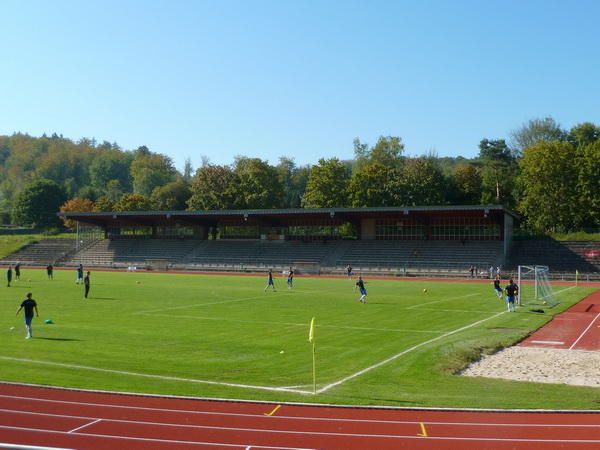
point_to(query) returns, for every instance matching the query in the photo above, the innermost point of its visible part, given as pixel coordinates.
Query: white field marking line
(215, 294)
(584, 331)
(556, 292)
(165, 441)
(311, 433)
(296, 324)
(280, 417)
(455, 310)
(74, 430)
(379, 364)
(159, 377)
(442, 300)
(197, 305)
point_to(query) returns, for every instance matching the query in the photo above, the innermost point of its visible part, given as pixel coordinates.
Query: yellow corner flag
(311, 333)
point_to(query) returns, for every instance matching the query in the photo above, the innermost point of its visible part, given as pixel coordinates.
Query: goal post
(157, 264)
(535, 288)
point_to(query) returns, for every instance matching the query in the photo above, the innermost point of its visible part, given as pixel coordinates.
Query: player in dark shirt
(270, 282)
(30, 306)
(360, 285)
(512, 291)
(497, 287)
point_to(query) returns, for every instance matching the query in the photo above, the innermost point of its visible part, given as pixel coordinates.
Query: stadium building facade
(443, 223)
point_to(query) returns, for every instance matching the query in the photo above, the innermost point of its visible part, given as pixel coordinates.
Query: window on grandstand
(465, 228)
(398, 229)
(239, 229)
(174, 231)
(314, 229)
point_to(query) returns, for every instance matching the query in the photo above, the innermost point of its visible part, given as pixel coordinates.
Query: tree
(112, 165)
(369, 187)
(76, 204)
(149, 171)
(293, 179)
(171, 196)
(258, 184)
(496, 157)
(388, 151)
(327, 185)
(419, 182)
(468, 182)
(583, 134)
(535, 130)
(37, 205)
(588, 185)
(188, 169)
(213, 188)
(549, 178)
(104, 204)
(133, 202)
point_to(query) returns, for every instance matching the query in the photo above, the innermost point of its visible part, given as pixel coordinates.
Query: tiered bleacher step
(222, 254)
(42, 253)
(283, 254)
(422, 257)
(120, 253)
(559, 256)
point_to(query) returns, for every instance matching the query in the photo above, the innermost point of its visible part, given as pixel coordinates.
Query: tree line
(549, 175)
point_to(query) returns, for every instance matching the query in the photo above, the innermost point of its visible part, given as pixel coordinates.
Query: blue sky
(294, 78)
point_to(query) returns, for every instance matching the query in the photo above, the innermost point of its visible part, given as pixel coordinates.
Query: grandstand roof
(281, 216)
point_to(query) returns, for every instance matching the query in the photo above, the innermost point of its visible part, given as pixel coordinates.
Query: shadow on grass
(57, 339)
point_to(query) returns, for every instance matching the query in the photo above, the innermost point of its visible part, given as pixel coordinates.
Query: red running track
(86, 420)
(578, 328)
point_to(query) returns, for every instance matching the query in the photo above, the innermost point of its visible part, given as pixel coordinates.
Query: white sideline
(343, 380)
(267, 388)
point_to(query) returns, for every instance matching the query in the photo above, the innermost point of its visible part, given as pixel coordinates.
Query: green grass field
(223, 336)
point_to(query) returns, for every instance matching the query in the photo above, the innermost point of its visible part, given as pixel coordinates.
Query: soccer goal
(535, 288)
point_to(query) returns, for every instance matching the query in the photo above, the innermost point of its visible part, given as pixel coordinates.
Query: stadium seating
(396, 258)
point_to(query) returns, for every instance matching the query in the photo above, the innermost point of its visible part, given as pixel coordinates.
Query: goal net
(535, 288)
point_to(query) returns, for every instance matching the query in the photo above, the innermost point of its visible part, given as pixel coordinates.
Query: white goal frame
(543, 295)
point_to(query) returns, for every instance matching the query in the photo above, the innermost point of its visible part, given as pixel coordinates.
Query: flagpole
(314, 370)
(311, 338)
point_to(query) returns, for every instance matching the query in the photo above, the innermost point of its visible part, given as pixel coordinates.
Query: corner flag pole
(311, 338)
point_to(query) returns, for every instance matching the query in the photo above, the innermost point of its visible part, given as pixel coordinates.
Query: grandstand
(43, 253)
(421, 257)
(559, 256)
(417, 241)
(394, 258)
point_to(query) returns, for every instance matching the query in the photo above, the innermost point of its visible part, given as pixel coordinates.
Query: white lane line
(74, 430)
(314, 433)
(585, 331)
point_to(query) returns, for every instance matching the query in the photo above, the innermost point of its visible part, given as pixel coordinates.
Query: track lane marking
(584, 331)
(74, 430)
(356, 435)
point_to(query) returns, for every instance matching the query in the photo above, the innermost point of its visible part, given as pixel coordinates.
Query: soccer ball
(424, 290)
(28, 279)
(137, 282)
(545, 303)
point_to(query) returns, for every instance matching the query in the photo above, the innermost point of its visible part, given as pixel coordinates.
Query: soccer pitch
(225, 337)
